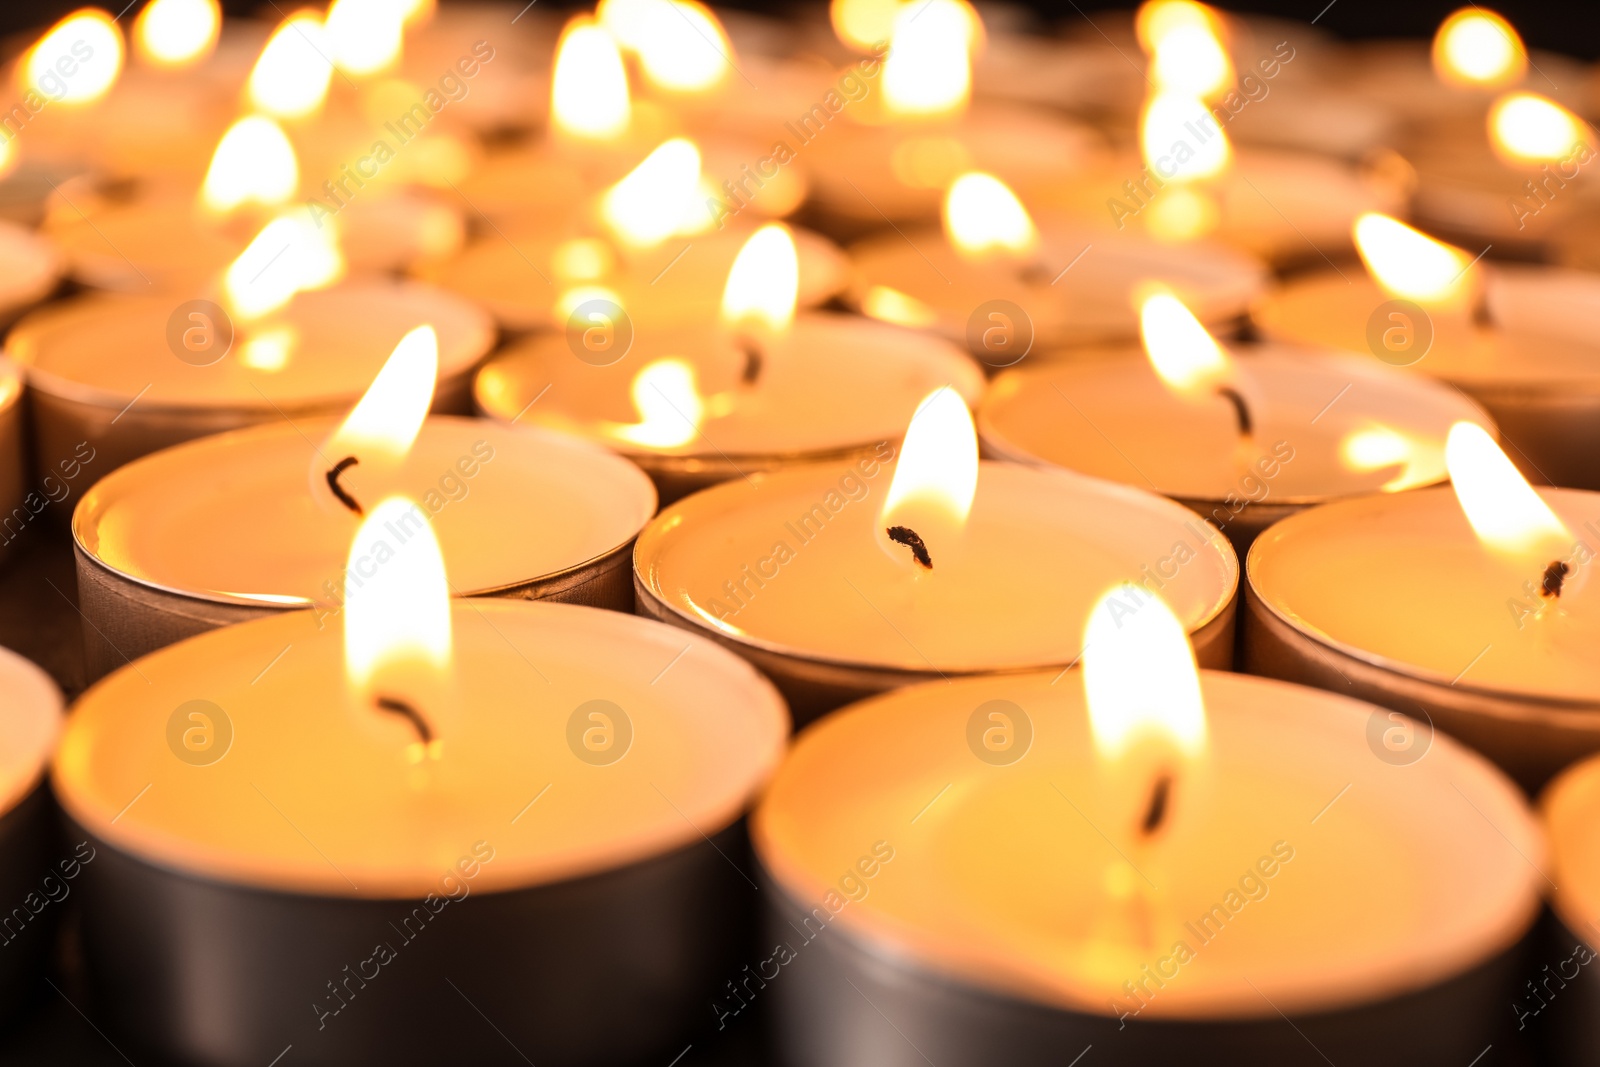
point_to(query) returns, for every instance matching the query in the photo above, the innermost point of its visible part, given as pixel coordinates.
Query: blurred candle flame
(1181, 139)
(863, 24)
(88, 43)
(928, 71)
(290, 78)
(1372, 448)
(654, 199)
(365, 37)
(254, 163)
(1475, 47)
(381, 428)
(589, 87)
(681, 45)
(1408, 263)
(935, 479)
(1188, 360)
(1526, 128)
(764, 283)
(289, 255)
(669, 405)
(1185, 45)
(177, 33)
(1508, 516)
(983, 216)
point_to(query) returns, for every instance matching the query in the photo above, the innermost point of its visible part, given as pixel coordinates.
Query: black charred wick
(1241, 410)
(338, 490)
(1035, 273)
(1555, 576)
(1155, 812)
(752, 362)
(905, 535)
(410, 714)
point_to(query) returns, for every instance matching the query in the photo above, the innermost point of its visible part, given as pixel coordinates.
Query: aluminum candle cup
(1393, 599)
(225, 529)
(1113, 418)
(1536, 370)
(785, 569)
(31, 883)
(131, 375)
(542, 279)
(268, 879)
(1377, 907)
(1562, 998)
(1061, 304)
(832, 386)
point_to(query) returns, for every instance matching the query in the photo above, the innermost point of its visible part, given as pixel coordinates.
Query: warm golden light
(983, 216)
(928, 70)
(1184, 354)
(1505, 512)
(1182, 213)
(589, 87)
(290, 78)
(269, 349)
(1170, 136)
(1408, 263)
(764, 282)
(582, 259)
(669, 405)
(1141, 679)
(1187, 54)
(365, 36)
(1157, 19)
(863, 24)
(650, 204)
(1476, 47)
(177, 33)
(1374, 448)
(87, 43)
(935, 480)
(1529, 129)
(381, 427)
(686, 48)
(289, 255)
(254, 163)
(886, 304)
(397, 641)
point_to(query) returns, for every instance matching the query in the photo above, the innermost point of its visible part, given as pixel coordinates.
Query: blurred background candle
(1562, 1006)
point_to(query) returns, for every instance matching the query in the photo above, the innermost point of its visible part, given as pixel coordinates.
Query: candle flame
(1505, 512)
(1184, 354)
(863, 24)
(669, 405)
(1526, 128)
(684, 47)
(654, 199)
(381, 428)
(289, 255)
(1184, 42)
(928, 71)
(589, 87)
(87, 43)
(887, 304)
(935, 478)
(1183, 213)
(365, 36)
(177, 33)
(254, 163)
(1475, 47)
(1181, 139)
(1142, 683)
(764, 282)
(982, 216)
(397, 637)
(290, 78)
(1408, 263)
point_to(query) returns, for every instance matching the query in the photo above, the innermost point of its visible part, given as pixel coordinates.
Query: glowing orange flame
(983, 216)
(935, 480)
(1410, 264)
(77, 61)
(290, 78)
(177, 33)
(1476, 47)
(589, 87)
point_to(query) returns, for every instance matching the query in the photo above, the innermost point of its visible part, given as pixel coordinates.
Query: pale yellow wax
(790, 561)
(233, 516)
(1113, 417)
(1541, 338)
(1401, 580)
(29, 725)
(109, 350)
(1340, 879)
(1571, 806)
(307, 764)
(831, 382)
(1078, 289)
(520, 275)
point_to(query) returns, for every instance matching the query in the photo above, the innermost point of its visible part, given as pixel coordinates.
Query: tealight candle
(845, 579)
(549, 792)
(695, 405)
(998, 904)
(1244, 441)
(131, 375)
(29, 725)
(1569, 807)
(1486, 622)
(1516, 338)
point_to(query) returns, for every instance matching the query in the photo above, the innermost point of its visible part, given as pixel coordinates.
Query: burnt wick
(338, 490)
(1241, 410)
(410, 714)
(1555, 576)
(752, 362)
(905, 535)
(1155, 812)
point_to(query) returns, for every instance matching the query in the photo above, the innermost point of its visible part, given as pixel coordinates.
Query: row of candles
(321, 682)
